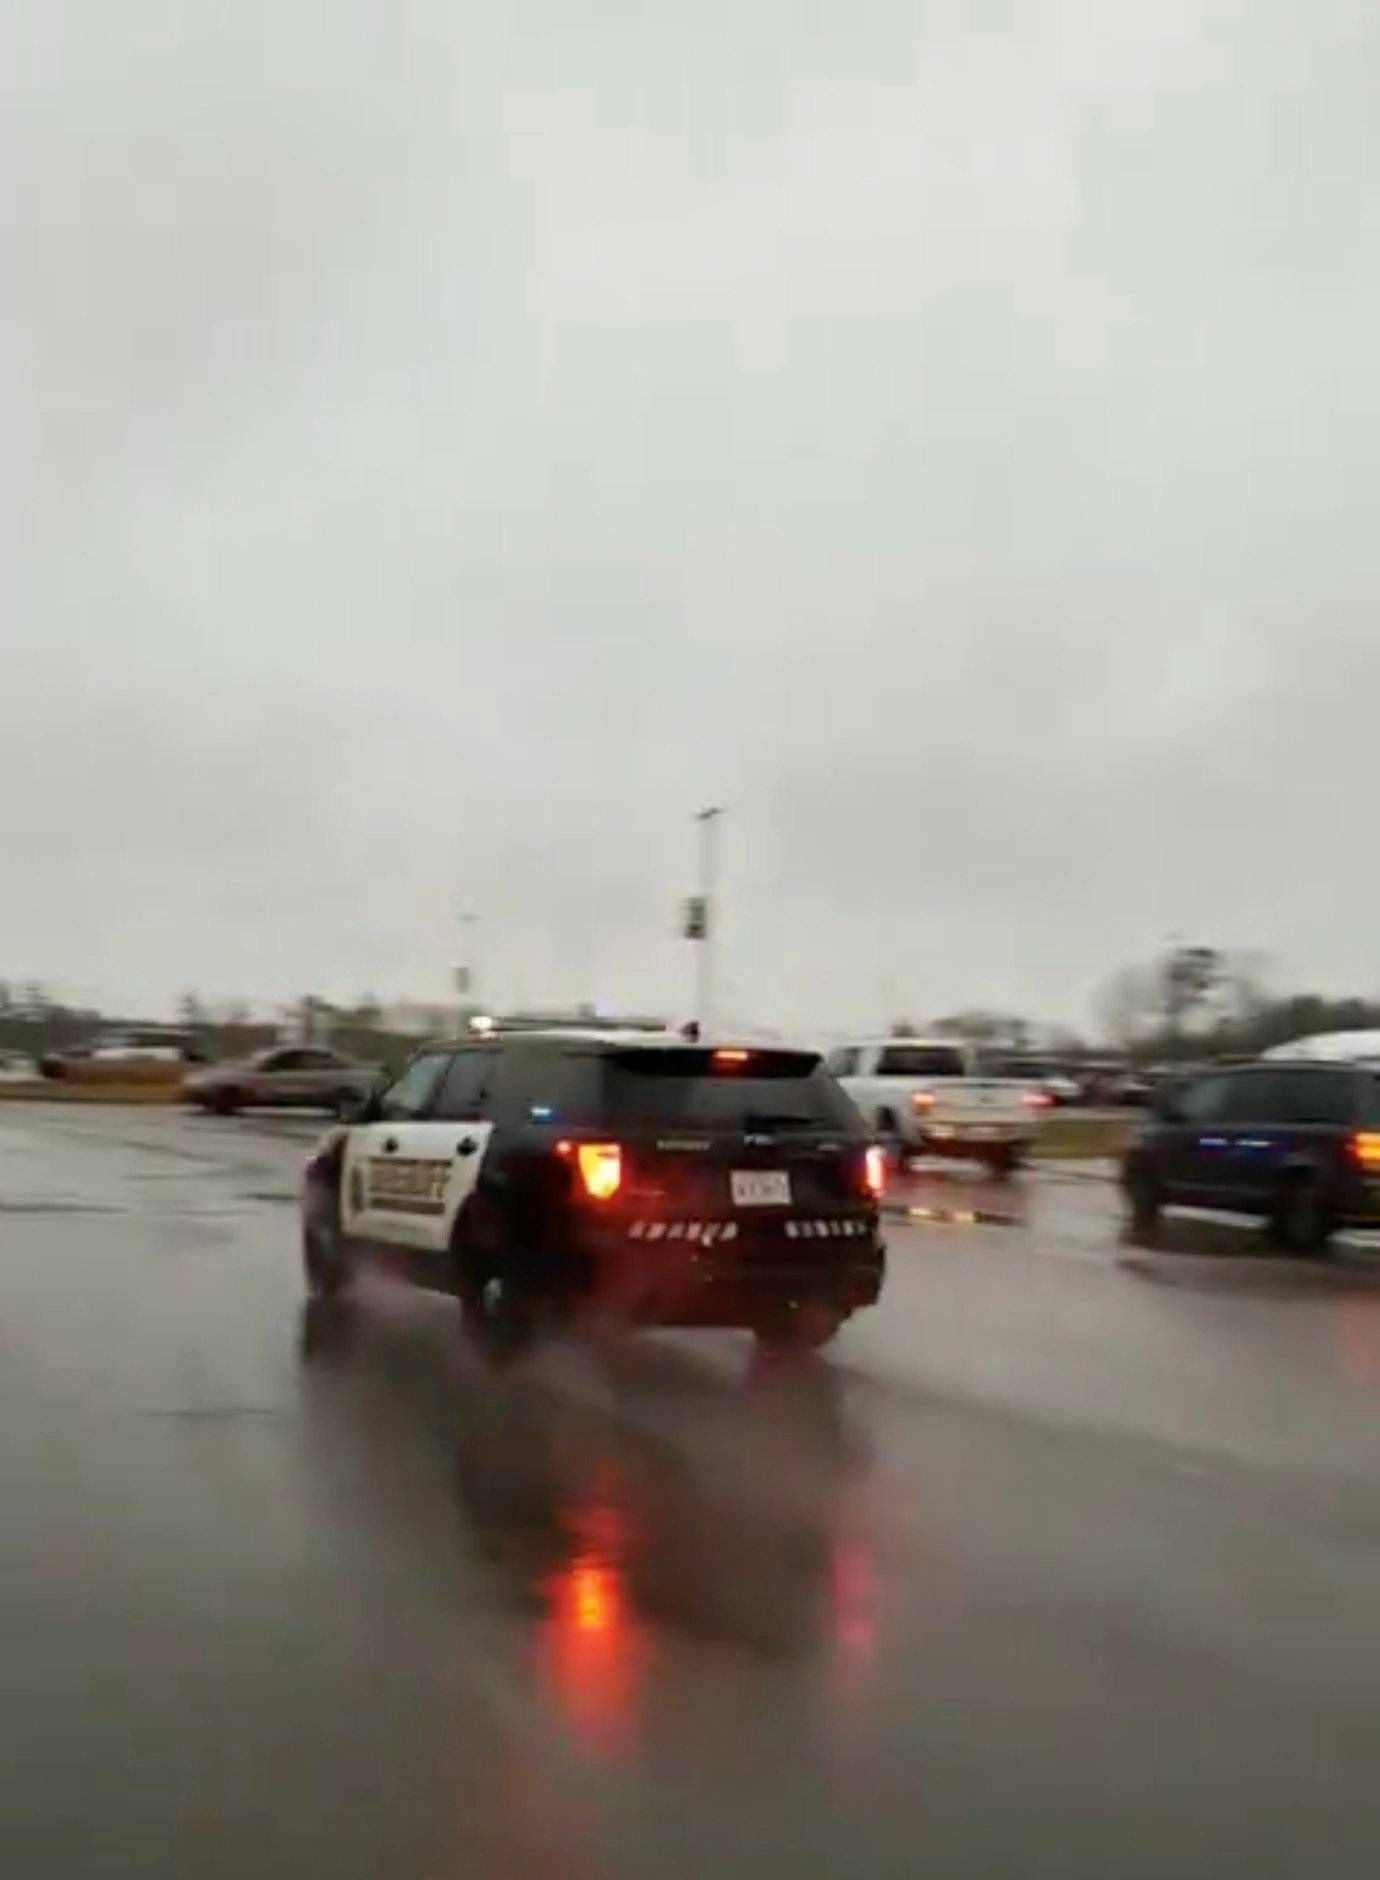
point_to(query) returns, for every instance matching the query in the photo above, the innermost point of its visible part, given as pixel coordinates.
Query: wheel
(499, 1315)
(225, 1102)
(498, 1311)
(327, 1264)
(891, 1142)
(797, 1329)
(1300, 1220)
(1143, 1203)
(1003, 1162)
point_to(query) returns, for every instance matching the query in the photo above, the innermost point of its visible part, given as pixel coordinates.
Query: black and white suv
(1297, 1144)
(542, 1176)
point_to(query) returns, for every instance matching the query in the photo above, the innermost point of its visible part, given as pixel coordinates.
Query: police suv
(541, 1177)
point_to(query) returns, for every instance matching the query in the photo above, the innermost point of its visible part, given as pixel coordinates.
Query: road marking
(962, 1217)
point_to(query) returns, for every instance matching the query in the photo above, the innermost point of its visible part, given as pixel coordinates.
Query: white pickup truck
(927, 1097)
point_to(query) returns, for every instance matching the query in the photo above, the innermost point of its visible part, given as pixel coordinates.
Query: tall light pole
(467, 969)
(701, 929)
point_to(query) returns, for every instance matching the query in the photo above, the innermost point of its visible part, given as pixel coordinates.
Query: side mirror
(364, 1105)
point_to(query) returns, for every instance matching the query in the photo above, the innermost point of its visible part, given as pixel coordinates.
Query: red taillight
(1365, 1149)
(601, 1169)
(730, 1058)
(922, 1100)
(874, 1170)
(1037, 1100)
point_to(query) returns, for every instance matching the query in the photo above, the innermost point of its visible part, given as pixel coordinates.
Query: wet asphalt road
(1067, 1564)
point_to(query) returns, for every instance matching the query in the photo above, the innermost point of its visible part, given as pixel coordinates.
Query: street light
(466, 975)
(700, 915)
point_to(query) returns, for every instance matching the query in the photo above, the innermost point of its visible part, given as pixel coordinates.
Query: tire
(224, 1103)
(1144, 1204)
(499, 1317)
(327, 1265)
(1003, 1163)
(892, 1143)
(798, 1330)
(1300, 1221)
(498, 1312)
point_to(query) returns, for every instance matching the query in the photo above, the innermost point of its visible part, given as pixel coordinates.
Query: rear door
(1196, 1145)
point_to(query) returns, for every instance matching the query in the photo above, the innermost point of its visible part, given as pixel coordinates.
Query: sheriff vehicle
(642, 1179)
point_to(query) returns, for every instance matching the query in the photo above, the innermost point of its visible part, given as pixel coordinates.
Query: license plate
(760, 1188)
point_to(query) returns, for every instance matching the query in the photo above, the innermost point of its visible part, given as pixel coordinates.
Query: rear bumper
(963, 1138)
(733, 1281)
(745, 1297)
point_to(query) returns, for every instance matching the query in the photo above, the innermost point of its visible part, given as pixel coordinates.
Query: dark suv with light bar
(548, 1177)
(1295, 1143)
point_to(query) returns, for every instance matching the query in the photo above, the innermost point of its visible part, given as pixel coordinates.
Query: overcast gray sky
(446, 444)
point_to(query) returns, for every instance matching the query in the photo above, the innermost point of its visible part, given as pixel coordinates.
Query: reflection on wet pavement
(959, 1194)
(623, 1491)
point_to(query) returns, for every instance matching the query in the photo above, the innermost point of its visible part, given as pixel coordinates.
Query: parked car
(299, 1077)
(136, 1054)
(1296, 1144)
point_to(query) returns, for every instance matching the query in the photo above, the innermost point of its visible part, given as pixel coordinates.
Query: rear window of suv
(921, 1060)
(688, 1088)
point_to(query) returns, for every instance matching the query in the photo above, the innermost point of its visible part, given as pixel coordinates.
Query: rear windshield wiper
(778, 1119)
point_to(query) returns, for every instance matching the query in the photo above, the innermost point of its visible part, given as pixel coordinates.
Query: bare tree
(191, 1012)
(1187, 976)
(1187, 992)
(1242, 992)
(1064, 1041)
(1128, 1005)
(982, 1027)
